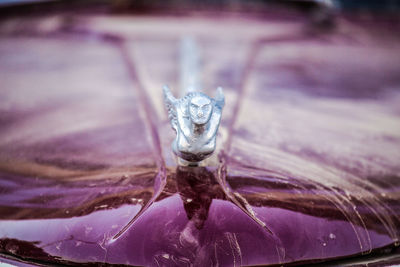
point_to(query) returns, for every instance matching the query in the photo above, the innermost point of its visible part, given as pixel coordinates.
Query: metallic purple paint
(308, 170)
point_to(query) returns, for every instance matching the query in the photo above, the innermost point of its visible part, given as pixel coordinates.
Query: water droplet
(324, 244)
(88, 230)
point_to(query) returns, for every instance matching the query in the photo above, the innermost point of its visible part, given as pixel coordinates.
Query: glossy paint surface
(307, 167)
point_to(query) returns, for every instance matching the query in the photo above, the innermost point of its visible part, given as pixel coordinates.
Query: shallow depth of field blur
(309, 141)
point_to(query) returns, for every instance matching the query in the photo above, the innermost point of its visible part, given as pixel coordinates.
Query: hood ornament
(195, 119)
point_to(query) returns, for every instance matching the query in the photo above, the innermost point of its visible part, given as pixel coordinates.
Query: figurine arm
(183, 123)
(213, 125)
(216, 116)
(171, 105)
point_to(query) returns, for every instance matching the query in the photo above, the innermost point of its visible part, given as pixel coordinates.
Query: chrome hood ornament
(195, 119)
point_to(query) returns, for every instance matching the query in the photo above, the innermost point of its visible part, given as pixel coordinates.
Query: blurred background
(312, 98)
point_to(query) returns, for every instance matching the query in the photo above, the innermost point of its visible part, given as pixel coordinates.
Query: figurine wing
(170, 103)
(220, 98)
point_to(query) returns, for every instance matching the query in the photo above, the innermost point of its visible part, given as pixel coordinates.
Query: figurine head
(200, 108)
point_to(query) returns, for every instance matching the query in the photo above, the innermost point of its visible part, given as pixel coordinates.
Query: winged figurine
(195, 119)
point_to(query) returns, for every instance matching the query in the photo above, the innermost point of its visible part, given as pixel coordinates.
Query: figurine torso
(196, 146)
(195, 118)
